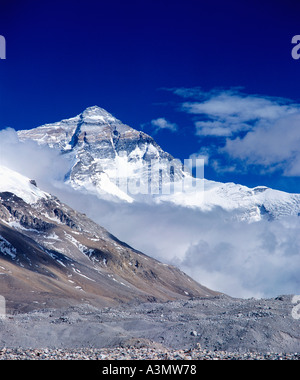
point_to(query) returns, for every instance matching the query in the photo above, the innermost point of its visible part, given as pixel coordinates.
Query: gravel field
(133, 353)
(217, 327)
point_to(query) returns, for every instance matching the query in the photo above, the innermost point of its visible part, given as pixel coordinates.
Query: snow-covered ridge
(254, 203)
(92, 121)
(23, 187)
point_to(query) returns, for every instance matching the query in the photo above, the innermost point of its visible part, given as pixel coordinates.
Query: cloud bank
(244, 260)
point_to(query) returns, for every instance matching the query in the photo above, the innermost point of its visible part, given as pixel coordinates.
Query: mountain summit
(94, 128)
(98, 114)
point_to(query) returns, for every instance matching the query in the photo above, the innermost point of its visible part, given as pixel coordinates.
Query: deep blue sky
(63, 56)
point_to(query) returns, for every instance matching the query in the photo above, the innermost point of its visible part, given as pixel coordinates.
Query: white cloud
(270, 145)
(258, 259)
(243, 260)
(213, 128)
(231, 112)
(203, 154)
(162, 123)
(258, 131)
(239, 107)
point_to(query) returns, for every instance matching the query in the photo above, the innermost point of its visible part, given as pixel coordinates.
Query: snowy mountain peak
(97, 114)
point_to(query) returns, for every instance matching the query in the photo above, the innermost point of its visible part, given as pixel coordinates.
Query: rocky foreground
(142, 353)
(217, 327)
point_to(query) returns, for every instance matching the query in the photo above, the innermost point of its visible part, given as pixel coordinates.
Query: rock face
(51, 255)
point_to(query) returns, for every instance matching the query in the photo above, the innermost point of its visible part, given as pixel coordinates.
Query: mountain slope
(51, 255)
(113, 161)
